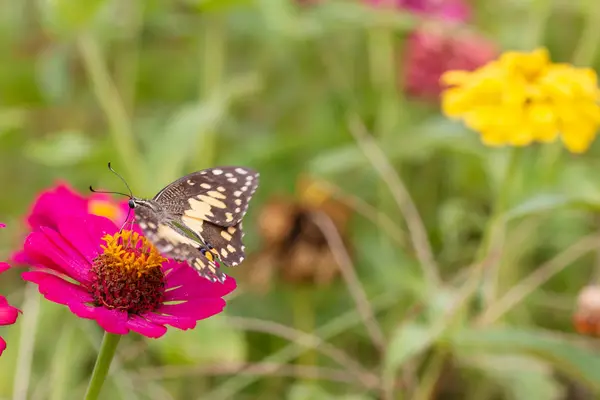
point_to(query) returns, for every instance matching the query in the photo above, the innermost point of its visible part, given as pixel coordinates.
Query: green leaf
(364, 16)
(53, 73)
(211, 341)
(171, 150)
(310, 391)
(218, 5)
(521, 378)
(60, 149)
(408, 341)
(562, 352)
(11, 118)
(419, 144)
(70, 15)
(545, 202)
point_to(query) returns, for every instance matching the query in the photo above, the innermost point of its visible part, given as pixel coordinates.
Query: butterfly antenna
(106, 192)
(121, 178)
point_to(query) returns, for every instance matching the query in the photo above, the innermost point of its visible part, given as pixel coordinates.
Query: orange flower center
(104, 208)
(127, 275)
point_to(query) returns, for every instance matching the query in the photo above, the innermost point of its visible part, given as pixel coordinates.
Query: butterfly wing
(174, 245)
(226, 242)
(216, 195)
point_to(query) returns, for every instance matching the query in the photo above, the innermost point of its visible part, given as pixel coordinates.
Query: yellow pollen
(104, 208)
(132, 252)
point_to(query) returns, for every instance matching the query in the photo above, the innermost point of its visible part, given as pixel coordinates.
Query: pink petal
(8, 315)
(175, 321)
(53, 203)
(113, 321)
(20, 257)
(56, 289)
(197, 309)
(60, 291)
(87, 241)
(2, 345)
(49, 245)
(145, 327)
(184, 283)
(3, 267)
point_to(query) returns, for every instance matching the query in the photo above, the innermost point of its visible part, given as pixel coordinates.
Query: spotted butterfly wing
(179, 247)
(209, 203)
(226, 242)
(216, 195)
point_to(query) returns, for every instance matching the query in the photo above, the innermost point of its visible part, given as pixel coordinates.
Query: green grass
(443, 297)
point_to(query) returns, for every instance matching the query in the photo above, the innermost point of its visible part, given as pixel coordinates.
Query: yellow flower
(522, 98)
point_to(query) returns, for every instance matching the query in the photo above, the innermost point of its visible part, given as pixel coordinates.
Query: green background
(163, 88)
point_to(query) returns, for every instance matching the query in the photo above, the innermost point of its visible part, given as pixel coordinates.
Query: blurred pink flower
(429, 54)
(118, 278)
(449, 10)
(62, 200)
(8, 313)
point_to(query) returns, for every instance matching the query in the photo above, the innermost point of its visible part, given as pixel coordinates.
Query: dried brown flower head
(294, 247)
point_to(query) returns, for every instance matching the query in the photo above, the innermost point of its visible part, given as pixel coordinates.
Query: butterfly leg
(202, 243)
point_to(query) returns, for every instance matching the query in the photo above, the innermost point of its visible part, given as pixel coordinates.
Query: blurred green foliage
(162, 88)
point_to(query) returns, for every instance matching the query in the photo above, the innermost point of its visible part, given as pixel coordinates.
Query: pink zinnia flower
(448, 10)
(117, 278)
(429, 54)
(61, 200)
(8, 313)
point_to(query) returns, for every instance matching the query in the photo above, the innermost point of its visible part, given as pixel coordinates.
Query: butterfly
(198, 218)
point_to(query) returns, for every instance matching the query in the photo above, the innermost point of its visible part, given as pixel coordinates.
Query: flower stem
(383, 75)
(496, 224)
(29, 329)
(105, 356)
(540, 13)
(587, 48)
(304, 320)
(112, 105)
(213, 59)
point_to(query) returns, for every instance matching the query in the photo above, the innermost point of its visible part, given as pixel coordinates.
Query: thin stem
(340, 253)
(29, 325)
(540, 11)
(213, 59)
(128, 52)
(308, 340)
(334, 327)
(112, 106)
(496, 223)
(62, 364)
(258, 369)
(304, 320)
(105, 356)
(586, 50)
(538, 277)
(401, 196)
(383, 80)
(431, 376)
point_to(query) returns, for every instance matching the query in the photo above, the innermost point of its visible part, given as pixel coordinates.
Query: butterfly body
(198, 218)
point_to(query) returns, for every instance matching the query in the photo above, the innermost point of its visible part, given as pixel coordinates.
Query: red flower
(61, 200)
(117, 278)
(8, 313)
(429, 54)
